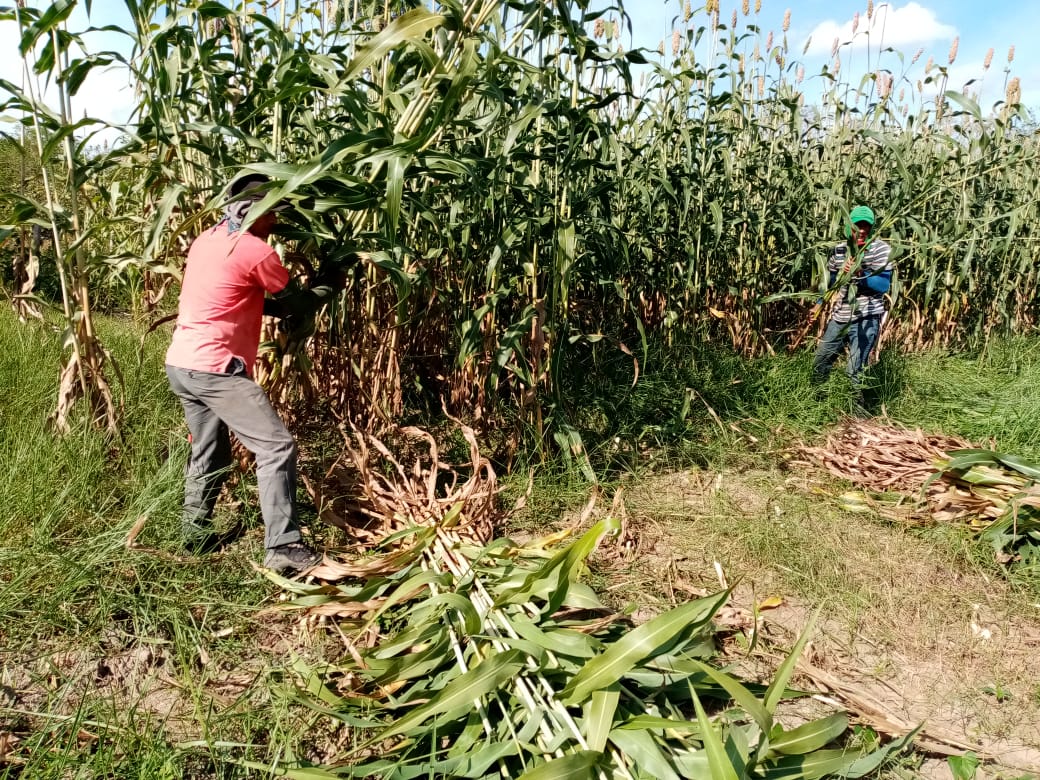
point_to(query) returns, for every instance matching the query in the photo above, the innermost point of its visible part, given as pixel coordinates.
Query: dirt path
(907, 626)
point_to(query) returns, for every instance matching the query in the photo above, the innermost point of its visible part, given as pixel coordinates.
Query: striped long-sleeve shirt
(864, 295)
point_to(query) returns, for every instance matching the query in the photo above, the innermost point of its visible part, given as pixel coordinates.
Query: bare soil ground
(909, 632)
(134, 684)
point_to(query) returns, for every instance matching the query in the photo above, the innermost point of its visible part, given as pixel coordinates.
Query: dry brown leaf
(135, 531)
(7, 744)
(890, 459)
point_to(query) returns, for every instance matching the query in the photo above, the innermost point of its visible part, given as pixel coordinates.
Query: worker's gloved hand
(302, 302)
(335, 271)
(334, 278)
(320, 294)
(297, 328)
(299, 302)
(275, 307)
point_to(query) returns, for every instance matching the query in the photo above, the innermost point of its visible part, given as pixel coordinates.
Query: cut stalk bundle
(394, 499)
(882, 457)
(466, 657)
(909, 475)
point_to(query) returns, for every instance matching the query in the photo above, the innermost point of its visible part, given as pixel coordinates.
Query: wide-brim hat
(252, 188)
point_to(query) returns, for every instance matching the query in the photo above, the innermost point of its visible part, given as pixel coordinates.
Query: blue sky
(906, 26)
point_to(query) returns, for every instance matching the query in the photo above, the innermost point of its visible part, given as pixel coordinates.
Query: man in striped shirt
(862, 266)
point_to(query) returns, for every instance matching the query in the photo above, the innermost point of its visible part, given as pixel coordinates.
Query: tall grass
(985, 395)
(71, 500)
(109, 657)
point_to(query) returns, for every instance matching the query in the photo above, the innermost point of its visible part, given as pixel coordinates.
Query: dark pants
(860, 336)
(213, 404)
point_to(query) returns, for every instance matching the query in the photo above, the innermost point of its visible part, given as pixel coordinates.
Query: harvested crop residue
(910, 630)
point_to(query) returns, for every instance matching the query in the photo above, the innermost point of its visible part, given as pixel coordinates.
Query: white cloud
(909, 25)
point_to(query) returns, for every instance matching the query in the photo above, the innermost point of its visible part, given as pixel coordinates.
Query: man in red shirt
(209, 365)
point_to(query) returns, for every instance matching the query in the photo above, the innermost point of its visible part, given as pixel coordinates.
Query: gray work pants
(214, 403)
(860, 335)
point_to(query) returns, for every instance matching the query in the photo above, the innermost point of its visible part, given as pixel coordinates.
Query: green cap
(861, 214)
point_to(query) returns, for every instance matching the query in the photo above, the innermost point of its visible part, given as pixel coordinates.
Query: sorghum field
(584, 512)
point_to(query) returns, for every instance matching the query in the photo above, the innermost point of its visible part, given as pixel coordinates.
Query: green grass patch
(110, 657)
(703, 404)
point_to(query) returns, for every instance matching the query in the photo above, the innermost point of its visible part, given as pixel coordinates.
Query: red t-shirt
(222, 300)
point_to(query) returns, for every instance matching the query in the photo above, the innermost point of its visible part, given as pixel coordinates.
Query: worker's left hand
(335, 273)
(335, 278)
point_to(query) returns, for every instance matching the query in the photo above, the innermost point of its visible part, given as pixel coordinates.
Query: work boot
(860, 408)
(292, 558)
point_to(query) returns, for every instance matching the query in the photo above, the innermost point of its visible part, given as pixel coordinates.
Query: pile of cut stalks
(920, 478)
(467, 654)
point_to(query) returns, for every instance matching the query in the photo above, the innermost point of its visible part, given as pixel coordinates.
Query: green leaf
(411, 589)
(716, 213)
(458, 696)
(775, 691)
(649, 640)
(395, 170)
(809, 736)
(561, 641)
(966, 103)
(692, 763)
(437, 655)
(581, 596)
(315, 684)
(963, 767)
(158, 223)
(741, 695)
(599, 716)
(577, 766)
(966, 458)
(50, 19)
(640, 747)
(552, 580)
(718, 759)
(412, 25)
(573, 449)
(643, 722)
(56, 139)
(472, 622)
(1021, 465)
(472, 763)
(401, 643)
(833, 762)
